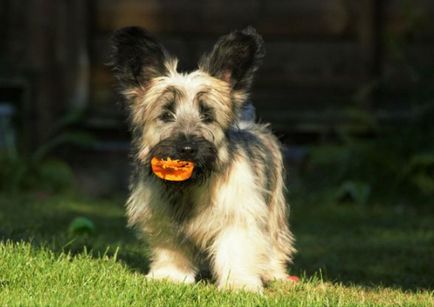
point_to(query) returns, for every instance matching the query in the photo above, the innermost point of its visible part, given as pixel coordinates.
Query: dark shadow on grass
(366, 246)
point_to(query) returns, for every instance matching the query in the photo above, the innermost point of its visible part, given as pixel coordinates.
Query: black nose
(187, 149)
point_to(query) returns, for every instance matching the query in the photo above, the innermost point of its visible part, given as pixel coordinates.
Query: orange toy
(293, 278)
(172, 170)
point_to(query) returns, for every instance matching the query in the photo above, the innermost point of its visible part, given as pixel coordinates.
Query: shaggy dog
(231, 214)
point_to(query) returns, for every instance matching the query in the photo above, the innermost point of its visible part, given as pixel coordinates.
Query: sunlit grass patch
(347, 257)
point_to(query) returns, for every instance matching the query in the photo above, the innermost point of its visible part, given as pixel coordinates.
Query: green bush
(397, 162)
(25, 174)
(40, 170)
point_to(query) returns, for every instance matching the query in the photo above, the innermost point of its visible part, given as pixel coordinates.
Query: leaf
(81, 226)
(420, 172)
(356, 192)
(75, 138)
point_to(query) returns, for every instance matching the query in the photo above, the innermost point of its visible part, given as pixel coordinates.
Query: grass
(347, 256)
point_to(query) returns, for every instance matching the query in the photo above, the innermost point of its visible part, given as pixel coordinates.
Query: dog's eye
(207, 118)
(206, 114)
(167, 116)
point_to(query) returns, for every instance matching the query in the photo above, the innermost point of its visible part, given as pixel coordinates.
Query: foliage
(81, 226)
(420, 172)
(357, 192)
(38, 169)
(395, 162)
(27, 173)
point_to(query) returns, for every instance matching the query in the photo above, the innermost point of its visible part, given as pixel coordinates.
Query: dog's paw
(171, 274)
(251, 285)
(271, 276)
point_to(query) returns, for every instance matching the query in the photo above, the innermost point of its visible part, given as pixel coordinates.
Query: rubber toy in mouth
(172, 170)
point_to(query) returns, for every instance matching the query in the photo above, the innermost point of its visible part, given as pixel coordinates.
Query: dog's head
(185, 115)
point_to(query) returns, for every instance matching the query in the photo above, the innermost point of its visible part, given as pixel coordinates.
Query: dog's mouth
(177, 160)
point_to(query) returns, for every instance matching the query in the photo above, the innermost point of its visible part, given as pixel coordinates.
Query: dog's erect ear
(235, 58)
(136, 57)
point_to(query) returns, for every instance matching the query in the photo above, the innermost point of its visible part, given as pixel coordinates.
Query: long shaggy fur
(232, 214)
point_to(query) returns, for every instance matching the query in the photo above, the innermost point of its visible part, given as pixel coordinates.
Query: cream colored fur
(241, 234)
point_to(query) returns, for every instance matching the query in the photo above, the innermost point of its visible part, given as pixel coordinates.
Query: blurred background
(346, 85)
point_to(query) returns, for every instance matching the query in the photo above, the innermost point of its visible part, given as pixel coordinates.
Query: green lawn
(347, 256)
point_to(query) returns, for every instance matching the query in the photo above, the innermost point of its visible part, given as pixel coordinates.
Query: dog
(231, 214)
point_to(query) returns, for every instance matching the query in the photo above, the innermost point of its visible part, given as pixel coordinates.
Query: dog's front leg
(172, 263)
(236, 255)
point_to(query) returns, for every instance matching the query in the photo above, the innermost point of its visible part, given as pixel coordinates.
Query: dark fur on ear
(136, 57)
(235, 58)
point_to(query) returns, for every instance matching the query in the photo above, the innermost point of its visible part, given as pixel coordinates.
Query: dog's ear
(136, 57)
(235, 58)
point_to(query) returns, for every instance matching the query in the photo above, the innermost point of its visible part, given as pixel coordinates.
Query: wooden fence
(323, 56)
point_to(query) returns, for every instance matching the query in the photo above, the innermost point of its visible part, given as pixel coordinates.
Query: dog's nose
(187, 149)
